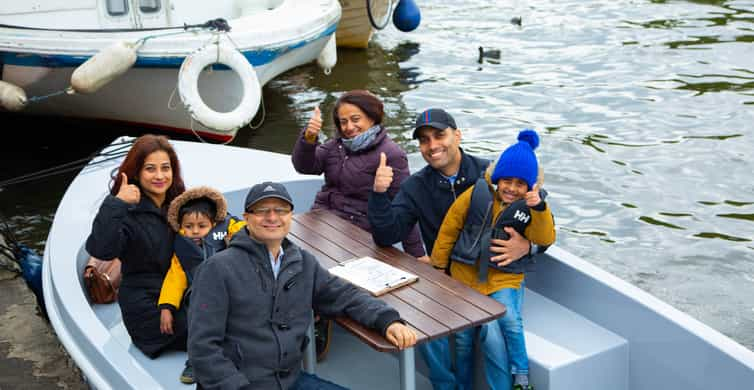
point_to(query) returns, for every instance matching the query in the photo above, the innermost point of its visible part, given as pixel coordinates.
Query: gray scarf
(362, 140)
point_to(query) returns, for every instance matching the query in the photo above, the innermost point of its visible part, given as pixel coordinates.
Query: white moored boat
(585, 328)
(143, 47)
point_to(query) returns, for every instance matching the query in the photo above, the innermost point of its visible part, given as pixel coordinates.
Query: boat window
(117, 7)
(148, 6)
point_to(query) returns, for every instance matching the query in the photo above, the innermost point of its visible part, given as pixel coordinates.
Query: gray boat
(585, 328)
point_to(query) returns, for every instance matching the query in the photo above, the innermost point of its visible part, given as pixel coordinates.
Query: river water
(645, 111)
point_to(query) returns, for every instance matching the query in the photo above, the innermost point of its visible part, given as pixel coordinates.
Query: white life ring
(188, 88)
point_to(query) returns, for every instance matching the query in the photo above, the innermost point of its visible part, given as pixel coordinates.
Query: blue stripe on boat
(255, 57)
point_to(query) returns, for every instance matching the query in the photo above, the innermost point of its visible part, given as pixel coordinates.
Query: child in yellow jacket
(508, 196)
(204, 227)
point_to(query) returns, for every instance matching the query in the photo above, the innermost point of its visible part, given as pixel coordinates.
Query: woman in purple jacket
(350, 159)
(349, 162)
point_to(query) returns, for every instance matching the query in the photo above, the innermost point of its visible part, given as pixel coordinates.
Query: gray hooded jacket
(248, 329)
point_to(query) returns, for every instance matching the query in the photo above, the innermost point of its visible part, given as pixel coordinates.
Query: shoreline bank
(31, 357)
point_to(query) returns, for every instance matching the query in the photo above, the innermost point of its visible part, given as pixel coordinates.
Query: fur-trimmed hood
(196, 193)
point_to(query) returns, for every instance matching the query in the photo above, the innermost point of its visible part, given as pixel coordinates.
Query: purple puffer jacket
(349, 177)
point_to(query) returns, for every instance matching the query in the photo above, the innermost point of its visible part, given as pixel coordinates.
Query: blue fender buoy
(31, 271)
(406, 16)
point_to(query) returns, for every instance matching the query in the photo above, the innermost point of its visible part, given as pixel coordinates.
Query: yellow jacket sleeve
(174, 285)
(541, 230)
(451, 228)
(234, 226)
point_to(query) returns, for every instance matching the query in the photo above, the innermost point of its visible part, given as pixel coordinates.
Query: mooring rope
(120, 150)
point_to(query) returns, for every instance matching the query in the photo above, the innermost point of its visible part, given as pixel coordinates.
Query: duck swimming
(488, 53)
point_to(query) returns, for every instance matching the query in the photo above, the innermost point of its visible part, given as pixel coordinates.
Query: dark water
(645, 110)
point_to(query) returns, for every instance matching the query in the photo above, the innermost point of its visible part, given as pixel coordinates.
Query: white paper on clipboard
(373, 275)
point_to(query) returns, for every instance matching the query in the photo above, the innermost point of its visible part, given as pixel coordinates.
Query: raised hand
(384, 175)
(532, 197)
(314, 126)
(128, 193)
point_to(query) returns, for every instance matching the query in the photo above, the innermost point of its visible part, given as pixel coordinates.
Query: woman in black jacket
(131, 225)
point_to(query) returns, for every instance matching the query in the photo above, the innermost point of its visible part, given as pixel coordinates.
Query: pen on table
(394, 282)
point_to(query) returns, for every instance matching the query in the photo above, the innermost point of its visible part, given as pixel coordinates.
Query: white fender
(12, 97)
(103, 67)
(328, 57)
(188, 88)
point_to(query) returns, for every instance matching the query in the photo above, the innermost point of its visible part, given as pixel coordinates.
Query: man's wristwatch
(533, 249)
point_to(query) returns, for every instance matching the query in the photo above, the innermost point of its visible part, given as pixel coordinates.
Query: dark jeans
(312, 382)
(305, 382)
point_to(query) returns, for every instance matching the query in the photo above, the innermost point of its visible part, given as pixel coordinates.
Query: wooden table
(434, 306)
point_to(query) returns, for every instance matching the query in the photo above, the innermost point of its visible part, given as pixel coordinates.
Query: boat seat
(568, 351)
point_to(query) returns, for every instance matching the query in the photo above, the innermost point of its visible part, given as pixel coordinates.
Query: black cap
(436, 118)
(266, 190)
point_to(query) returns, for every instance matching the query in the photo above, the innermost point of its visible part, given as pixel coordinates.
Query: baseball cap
(435, 118)
(266, 190)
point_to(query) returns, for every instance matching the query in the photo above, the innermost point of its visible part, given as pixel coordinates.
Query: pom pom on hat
(519, 160)
(530, 137)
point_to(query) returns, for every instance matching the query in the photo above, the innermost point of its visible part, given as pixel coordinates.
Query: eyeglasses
(263, 211)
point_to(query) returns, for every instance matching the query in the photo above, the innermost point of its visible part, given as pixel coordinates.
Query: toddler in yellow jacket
(508, 195)
(204, 227)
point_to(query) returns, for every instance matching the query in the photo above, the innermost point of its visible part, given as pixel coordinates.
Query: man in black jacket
(425, 197)
(252, 303)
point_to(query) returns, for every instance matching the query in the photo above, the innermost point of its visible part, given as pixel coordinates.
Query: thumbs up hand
(384, 175)
(532, 197)
(314, 126)
(128, 193)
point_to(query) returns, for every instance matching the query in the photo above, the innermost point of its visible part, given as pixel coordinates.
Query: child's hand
(166, 321)
(532, 197)
(314, 126)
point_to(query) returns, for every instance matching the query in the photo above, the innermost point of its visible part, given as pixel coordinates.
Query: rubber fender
(103, 67)
(12, 97)
(328, 57)
(406, 16)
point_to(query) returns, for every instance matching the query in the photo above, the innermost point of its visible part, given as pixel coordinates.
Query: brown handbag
(102, 279)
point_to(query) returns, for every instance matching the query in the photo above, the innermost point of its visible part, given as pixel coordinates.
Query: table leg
(310, 353)
(408, 369)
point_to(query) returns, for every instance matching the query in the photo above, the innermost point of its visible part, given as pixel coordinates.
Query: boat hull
(42, 61)
(147, 96)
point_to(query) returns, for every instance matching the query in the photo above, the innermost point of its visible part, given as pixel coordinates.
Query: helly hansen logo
(521, 216)
(219, 235)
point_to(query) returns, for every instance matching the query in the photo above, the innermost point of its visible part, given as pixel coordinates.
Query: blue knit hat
(519, 160)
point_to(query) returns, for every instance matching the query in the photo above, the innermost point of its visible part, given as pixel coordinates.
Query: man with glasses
(252, 303)
(425, 197)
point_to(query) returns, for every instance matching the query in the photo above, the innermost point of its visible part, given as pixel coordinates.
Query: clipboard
(373, 275)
